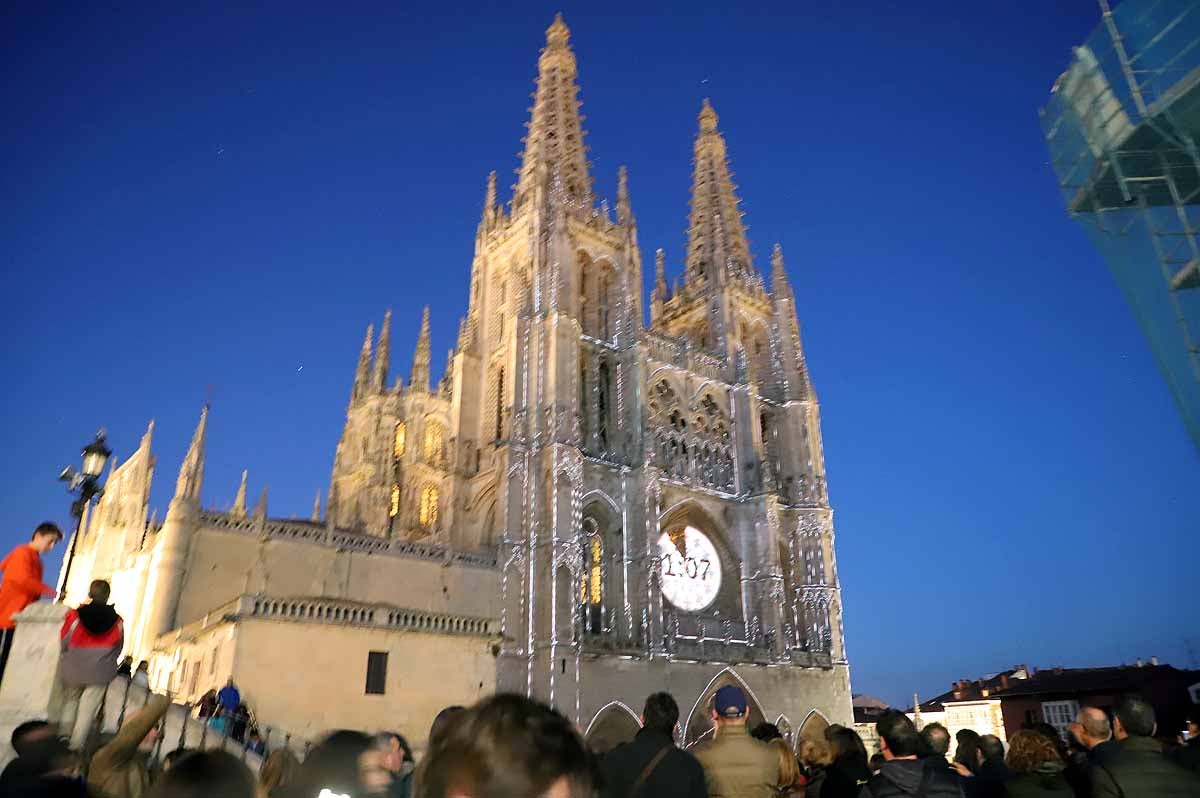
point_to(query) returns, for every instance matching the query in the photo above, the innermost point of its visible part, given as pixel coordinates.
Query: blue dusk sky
(217, 199)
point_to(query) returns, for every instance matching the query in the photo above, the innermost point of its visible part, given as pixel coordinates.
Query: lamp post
(85, 482)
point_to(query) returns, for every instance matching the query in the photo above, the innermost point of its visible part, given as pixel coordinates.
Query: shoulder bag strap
(650, 766)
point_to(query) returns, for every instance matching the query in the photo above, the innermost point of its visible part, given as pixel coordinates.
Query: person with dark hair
(92, 638)
(334, 764)
(1037, 767)
(849, 771)
(650, 765)
(1188, 754)
(735, 764)
(203, 774)
(24, 737)
(990, 777)
(390, 766)
(171, 758)
(766, 732)
(22, 583)
(903, 773)
(1141, 768)
(443, 721)
(967, 753)
(507, 746)
(52, 770)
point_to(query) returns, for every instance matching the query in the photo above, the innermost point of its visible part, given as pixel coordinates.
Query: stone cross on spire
(419, 379)
(716, 236)
(555, 137)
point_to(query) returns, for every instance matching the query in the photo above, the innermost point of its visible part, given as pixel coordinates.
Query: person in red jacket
(22, 583)
(92, 639)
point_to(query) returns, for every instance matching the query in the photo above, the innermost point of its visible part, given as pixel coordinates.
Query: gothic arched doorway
(614, 724)
(814, 727)
(699, 722)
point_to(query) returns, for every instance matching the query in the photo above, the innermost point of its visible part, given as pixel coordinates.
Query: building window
(376, 672)
(1060, 714)
(433, 442)
(429, 507)
(398, 440)
(591, 585)
(212, 668)
(394, 505)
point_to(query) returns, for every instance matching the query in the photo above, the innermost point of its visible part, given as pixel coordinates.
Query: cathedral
(593, 503)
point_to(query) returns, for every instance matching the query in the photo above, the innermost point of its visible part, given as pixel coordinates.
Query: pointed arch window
(602, 403)
(394, 502)
(428, 514)
(399, 439)
(591, 584)
(434, 442)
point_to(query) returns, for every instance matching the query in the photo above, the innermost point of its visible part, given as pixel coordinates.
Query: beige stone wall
(224, 565)
(310, 678)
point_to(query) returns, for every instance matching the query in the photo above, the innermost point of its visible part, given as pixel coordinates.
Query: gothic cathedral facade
(629, 504)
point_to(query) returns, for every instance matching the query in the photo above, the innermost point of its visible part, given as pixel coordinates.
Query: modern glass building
(1123, 124)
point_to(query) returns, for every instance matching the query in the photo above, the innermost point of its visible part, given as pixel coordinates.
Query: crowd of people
(510, 746)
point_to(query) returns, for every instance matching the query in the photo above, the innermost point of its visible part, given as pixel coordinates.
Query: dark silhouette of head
(991, 747)
(333, 764)
(444, 719)
(28, 733)
(766, 732)
(201, 774)
(935, 739)
(1134, 717)
(660, 714)
(506, 746)
(898, 734)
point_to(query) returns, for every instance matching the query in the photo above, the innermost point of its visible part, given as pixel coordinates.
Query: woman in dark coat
(849, 772)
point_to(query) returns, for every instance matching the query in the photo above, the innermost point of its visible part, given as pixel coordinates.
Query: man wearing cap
(735, 764)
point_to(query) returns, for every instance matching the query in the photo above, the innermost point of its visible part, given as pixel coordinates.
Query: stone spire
(716, 236)
(555, 137)
(260, 509)
(363, 372)
(191, 473)
(661, 291)
(446, 386)
(780, 287)
(382, 354)
(316, 513)
(419, 379)
(624, 207)
(796, 382)
(239, 501)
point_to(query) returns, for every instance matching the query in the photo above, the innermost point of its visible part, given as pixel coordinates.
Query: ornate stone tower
(656, 494)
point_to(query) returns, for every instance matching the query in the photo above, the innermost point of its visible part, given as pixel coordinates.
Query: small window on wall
(1060, 714)
(377, 672)
(212, 668)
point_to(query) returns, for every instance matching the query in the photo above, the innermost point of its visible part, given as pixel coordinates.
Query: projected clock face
(691, 569)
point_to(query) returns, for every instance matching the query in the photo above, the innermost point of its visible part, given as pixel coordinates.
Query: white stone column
(31, 677)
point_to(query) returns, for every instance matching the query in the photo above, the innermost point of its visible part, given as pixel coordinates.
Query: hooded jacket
(92, 637)
(900, 778)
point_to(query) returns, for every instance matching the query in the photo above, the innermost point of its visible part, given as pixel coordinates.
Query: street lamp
(85, 482)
